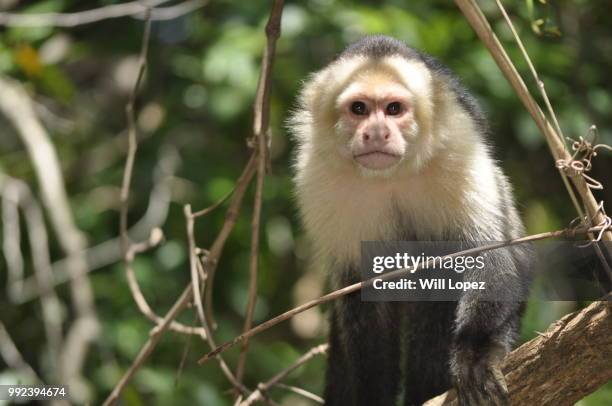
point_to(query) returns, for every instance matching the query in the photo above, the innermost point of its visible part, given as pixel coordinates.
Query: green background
(196, 108)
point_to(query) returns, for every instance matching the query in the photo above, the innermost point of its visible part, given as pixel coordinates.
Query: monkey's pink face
(378, 119)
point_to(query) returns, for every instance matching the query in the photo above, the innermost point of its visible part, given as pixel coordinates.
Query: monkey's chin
(377, 164)
(377, 160)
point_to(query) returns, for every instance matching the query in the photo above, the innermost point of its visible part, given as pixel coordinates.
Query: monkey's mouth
(377, 159)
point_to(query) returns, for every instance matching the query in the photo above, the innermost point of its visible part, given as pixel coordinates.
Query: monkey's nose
(376, 137)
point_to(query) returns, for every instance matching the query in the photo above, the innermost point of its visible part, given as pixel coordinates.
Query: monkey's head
(370, 110)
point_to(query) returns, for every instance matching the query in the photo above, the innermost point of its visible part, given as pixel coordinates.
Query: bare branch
(19, 109)
(109, 252)
(215, 205)
(154, 337)
(13, 357)
(551, 112)
(261, 130)
(231, 216)
(563, 365)
(336, 294)
(172, 12)
(16, 193)
(302, 392)
(132, 136)
(128, 248)
(79, 18)
(11, 247)
(207, 267)
(187, 296)
(135, 9)
(479, 23)
(193, 264)
(198, 268)
(262, 388)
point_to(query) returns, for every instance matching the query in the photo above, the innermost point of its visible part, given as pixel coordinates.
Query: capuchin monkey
(391, 147)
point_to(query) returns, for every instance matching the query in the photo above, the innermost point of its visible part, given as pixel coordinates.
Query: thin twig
(261, 123)
(209, 209)
(132, 136)
(15, 194)
(138, 296)
(131, 9)
(172, 12)
(11, 246)
(207, 267)
(551, 112)
(13, 358)
(19, 108)
(336, 294)
(262, 388)
(198, 268)
(128, 249)
(231, 216)
(109, 252)
(559, 132)
(302, 392)
(154, 337)
(479, 23)
(193, 263)
(80, 17)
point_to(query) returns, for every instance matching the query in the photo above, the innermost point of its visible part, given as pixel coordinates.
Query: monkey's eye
(359, 108)
(394, 108)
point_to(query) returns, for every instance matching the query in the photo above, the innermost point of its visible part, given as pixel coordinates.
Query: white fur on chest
(341, 209)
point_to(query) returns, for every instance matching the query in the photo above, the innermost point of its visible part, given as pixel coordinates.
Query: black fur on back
(380, 46)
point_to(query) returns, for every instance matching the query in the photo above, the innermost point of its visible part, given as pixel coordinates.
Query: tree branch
(231, 216)
(132, 8)
(261, 123)
(336, 294)
(15, 194)
(18, 107)
(154, 337)
(13, 358)
(262, 388)
(561, 366)
(109, 252)
(479, 23)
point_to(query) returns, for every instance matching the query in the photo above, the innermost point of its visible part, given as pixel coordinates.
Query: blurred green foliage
(197, 101)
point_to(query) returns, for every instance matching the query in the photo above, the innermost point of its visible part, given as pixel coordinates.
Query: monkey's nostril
(366, 137)
(387, 136)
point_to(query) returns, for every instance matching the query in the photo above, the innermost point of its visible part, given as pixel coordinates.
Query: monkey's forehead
(378, 46)
(411, 74)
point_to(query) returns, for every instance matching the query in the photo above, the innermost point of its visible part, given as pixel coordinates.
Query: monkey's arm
(485, 330)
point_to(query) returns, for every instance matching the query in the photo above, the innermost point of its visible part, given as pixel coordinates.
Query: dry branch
(207, 266)
(231, 216)
(154, 337)
(109, 252)
(561, 366)
(16, 194)
(262, 388)
(133, 8)
(19, 108)
(129, 250)
(186, 296)
(336, 294)
(479, 23)
(261, 122)
(13, 358)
